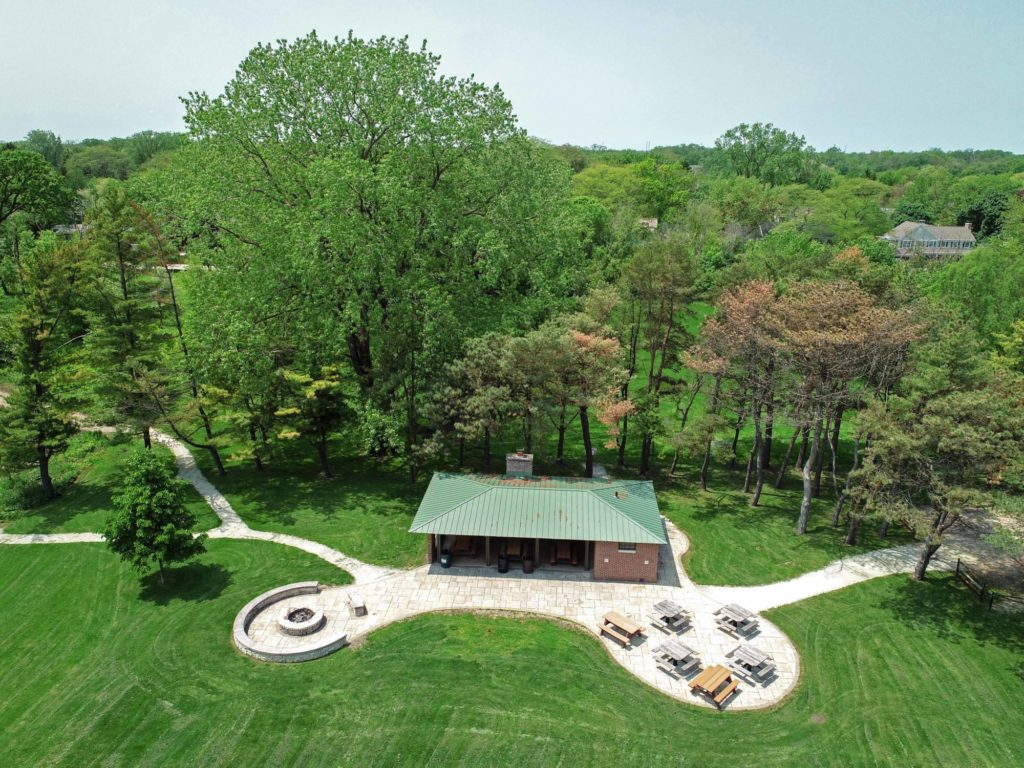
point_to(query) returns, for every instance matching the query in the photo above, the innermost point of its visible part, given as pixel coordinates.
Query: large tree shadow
(195, 582)
(944, 606)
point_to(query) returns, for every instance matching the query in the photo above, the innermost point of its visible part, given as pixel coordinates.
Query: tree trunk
(812, 459)
(785, 462)
(44, 473)
(359, 351)
(147, 438)
(645, 454)
(675, 462)
(883, 530)
(736, 436)
(927, 553)
(769, 430)
(833, 443)
(851, 533)
(321, 453)
(707, 446)
(560, 451)
(704, 467)
(462, 452)
(160, 565)
(761, 461)
(819, 463)
(587, 446)
(756, 449)
(622, 441)
(487, 450)
(257, 460)
(215, 455)
(802, 455)
(841, 499)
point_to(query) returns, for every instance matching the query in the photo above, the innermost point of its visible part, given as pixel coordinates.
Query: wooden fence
(981, 589)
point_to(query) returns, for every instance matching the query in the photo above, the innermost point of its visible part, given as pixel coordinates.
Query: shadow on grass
(194, 582)
(944, 606)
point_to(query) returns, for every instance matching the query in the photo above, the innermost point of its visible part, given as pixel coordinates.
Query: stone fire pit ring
(299, 620)
(305, 646)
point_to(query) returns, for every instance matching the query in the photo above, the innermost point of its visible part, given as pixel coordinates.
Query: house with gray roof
(913, 238)
(612, 527)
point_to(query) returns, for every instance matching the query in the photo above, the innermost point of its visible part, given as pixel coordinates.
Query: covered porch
(518, 552)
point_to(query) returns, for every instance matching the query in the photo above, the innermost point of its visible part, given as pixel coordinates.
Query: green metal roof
(540, 507)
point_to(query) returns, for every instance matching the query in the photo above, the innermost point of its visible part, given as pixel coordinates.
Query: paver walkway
(233, 527)
(836, 575)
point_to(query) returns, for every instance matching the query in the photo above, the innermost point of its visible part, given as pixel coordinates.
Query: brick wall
(641, 565)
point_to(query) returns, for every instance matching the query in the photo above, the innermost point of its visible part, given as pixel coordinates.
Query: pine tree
(38, 420)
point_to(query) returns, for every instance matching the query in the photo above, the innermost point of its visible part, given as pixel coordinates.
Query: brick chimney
(968, 226)
(519, 464)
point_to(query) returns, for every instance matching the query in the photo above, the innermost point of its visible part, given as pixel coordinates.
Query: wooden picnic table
(624, 623)
(734, 612)
(676, 651)
(514, 548)
(668, 609)
(748, 655)
(753, 660)
(715, 682)
(622, 628)
(736, 620)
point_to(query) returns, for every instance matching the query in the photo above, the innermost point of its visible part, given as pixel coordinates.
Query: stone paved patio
(574, 597)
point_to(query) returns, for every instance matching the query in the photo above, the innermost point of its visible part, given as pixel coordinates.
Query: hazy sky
(861, 75)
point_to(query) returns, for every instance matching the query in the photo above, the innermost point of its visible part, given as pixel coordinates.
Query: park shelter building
(610, 527)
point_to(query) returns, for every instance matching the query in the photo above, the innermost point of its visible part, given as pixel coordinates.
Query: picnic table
(752, 660)
(668, 614)
(514, 549)
(736, 620)
(716, 683)
(621, 627)
(673, 656)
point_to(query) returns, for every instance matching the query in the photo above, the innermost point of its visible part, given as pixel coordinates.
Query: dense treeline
(380, 257)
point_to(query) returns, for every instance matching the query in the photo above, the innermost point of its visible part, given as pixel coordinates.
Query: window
(627, 546)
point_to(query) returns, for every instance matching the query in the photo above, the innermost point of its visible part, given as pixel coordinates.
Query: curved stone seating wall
(331, 641)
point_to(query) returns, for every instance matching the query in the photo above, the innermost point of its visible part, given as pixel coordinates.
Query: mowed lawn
(364, 511)
(735, 544)
(98, 670)
(88, 475)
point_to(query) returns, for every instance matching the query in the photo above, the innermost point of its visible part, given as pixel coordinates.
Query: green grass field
(102, 669)
(736, 544)
(87, 475)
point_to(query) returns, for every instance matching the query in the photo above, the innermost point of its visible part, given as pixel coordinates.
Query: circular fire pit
(300, 620)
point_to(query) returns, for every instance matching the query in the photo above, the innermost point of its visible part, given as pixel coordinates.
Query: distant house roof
(578, 509)
(71, 229)
(918, 230)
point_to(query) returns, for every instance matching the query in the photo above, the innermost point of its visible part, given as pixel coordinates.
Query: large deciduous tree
(762, 151)
(150, 522)
(349, 179)
(28, 184)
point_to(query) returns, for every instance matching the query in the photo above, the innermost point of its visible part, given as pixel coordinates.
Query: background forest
(352, 270)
